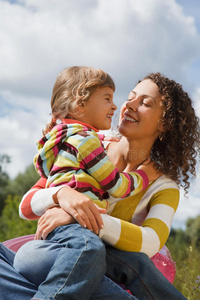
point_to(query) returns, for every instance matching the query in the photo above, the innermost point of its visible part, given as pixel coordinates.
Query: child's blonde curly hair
(73, 86)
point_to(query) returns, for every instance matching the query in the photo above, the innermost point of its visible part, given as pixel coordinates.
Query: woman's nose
(131, 105)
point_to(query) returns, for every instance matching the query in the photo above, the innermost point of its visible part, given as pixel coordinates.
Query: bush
(11, 224)
(186, 254)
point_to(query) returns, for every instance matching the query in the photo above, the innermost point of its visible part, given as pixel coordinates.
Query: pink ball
(165, 264)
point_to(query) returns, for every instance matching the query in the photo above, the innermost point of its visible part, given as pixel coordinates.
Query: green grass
(187, 279)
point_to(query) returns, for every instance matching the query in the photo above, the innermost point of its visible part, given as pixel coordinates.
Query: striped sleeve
(98, 165)
(37, 200)
(151, 236)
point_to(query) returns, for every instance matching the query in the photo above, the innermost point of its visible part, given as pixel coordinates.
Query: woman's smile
(128, 118)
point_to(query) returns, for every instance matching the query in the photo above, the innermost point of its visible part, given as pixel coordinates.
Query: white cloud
(20, 127)
(196, 99)
(126, 38)
(189, 205)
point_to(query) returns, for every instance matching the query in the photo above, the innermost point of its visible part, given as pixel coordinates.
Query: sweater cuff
(144, 178)
(101, 136)
(111, 231)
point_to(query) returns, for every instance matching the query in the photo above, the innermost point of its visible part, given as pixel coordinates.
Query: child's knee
(34, 260)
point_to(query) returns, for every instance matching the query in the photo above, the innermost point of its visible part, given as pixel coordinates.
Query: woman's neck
(128, 155)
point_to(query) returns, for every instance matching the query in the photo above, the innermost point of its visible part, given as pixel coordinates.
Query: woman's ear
(161, 127)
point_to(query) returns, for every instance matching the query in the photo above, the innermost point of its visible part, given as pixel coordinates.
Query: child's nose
(114, 107)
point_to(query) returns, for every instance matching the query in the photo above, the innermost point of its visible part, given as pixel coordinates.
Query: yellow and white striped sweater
(142, 223)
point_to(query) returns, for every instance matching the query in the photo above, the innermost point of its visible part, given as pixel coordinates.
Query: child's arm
(95, 160)
(149, 167)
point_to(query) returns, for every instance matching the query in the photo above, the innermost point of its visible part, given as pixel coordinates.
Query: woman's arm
(39, 199)
(152, 234)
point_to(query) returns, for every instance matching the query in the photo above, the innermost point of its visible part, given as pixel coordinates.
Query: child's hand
(81, 208)
(111, 139)
(149, 167)
(51, 219)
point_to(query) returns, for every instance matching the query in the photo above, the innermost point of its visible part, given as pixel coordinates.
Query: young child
(71, 152)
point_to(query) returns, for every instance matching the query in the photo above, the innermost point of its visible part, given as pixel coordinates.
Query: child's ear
(80, 107)
(81, 103)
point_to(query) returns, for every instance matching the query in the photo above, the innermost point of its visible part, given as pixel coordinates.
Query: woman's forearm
(126, 236)
(37, 200)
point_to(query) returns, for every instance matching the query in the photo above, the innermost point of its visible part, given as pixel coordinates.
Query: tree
(23, 182)
(193, 230)
(11, 224)
(4, 179)
(177, 242)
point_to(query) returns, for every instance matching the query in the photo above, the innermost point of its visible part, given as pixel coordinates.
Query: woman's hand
(81, 208)
(51, 219)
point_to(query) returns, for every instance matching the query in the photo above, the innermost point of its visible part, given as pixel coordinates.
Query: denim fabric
(78, 266)
(35, 259)
(13, 286)
(69, 265)
(139, 275)
(133, 269)
(109, 290)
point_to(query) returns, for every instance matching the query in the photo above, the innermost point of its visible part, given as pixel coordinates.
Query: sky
(126, 38)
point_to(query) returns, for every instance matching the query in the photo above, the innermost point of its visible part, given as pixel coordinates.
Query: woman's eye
(145, 103)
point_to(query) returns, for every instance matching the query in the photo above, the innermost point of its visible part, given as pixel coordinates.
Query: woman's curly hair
(177, 149)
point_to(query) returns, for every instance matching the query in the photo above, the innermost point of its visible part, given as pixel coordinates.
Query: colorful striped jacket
(72, 154)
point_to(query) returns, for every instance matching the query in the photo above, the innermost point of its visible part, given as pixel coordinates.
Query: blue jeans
(138, 273)
(12, 284)
(15, 286)
(70, 264)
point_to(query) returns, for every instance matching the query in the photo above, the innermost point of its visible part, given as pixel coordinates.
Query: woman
(158, 121)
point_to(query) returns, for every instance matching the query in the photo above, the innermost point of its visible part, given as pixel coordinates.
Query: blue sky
(128, 39)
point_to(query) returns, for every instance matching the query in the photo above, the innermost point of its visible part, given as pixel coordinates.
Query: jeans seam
(132, 269)
(60, 289)
(121, 289)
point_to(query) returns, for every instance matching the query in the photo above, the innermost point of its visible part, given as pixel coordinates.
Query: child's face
(99, 109)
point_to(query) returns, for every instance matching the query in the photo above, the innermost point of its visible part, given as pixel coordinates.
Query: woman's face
(140, 115)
